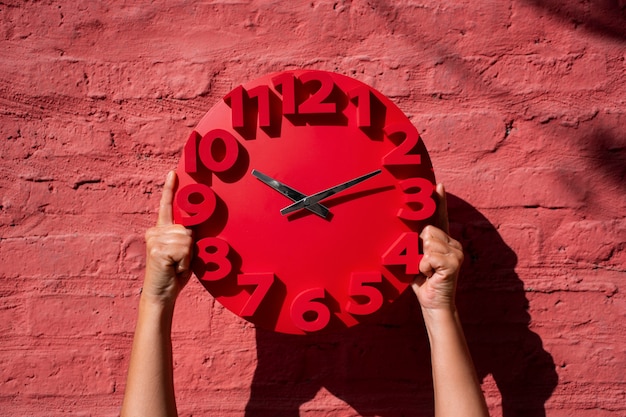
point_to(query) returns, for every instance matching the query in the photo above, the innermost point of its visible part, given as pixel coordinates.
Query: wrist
(157, 298)
(157, 307)
(158, 287)
(440, 318)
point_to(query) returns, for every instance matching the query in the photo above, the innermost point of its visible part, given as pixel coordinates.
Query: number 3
(422, 197)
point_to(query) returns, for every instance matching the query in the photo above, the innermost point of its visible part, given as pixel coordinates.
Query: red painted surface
(520, 104)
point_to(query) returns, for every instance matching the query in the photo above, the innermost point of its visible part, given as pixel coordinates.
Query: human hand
(168, 251)
(435, 286)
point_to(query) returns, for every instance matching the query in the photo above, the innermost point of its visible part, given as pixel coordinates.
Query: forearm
(150, 386)
(456, 386)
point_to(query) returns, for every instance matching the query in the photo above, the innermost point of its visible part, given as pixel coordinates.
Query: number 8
(214, 251)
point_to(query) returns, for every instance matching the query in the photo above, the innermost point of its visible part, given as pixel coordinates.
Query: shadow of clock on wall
(384, 369)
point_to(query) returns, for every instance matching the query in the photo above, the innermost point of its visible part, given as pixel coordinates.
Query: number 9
(187, 200)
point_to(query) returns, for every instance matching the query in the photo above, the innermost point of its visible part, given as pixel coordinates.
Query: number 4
(404, 251)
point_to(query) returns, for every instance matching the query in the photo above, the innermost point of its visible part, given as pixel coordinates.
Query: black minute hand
(322, 195)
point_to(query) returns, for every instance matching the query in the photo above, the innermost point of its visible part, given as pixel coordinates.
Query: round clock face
(306, 191)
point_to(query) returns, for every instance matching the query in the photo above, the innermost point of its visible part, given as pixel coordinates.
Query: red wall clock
(306, 191)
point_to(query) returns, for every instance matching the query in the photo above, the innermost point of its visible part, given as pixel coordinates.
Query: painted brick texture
(521, 104)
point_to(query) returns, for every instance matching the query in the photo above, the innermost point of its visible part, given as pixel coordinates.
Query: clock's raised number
(218, 151)
(370, 112)
(404, 251)
(360, 288)
(308, 312)
(292, 87)
(363, 97)
(418, 198)
(213, 252)
(262, 283)
(197, 200)
(408, 138)
(239, 102)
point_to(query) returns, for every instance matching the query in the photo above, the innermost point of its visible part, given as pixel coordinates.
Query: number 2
(315, 103)
(401, 154)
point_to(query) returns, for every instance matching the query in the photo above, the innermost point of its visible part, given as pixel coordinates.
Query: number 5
(357, 288)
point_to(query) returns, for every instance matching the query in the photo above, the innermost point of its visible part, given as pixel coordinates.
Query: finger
(432, 234)
(441, 250)
(165, 206)
(183, 265)
(438, 246)
(442, 209)
(426, 267)
(432, 263)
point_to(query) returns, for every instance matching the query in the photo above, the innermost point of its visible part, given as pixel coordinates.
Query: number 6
(304, 303)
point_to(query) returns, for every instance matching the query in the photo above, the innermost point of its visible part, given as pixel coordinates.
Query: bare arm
(150, 382)
(456, 386)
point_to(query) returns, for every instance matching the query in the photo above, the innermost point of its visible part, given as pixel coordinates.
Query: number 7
(263, 282)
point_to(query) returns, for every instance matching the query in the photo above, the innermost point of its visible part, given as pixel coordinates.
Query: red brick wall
(520, 103)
